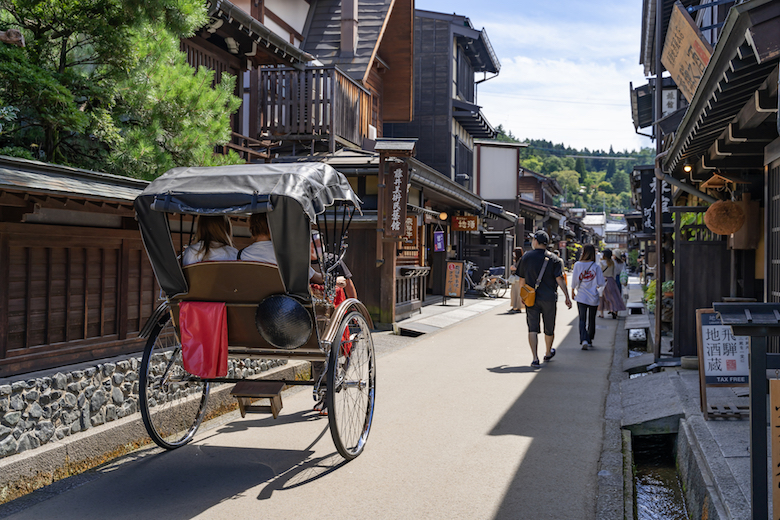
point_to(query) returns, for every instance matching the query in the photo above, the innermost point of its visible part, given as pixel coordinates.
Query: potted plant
(668, 289)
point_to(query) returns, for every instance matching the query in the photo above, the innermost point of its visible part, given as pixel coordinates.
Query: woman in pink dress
(611, 300)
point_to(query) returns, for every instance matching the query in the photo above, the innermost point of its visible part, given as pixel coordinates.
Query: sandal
(552, 355)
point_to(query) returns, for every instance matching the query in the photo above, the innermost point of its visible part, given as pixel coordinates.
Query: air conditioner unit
(372, 132)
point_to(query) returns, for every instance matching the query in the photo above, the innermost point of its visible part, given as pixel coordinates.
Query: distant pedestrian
(611, 300)
(534, 262)
(516, 301)
(620, 266)
(585, 281)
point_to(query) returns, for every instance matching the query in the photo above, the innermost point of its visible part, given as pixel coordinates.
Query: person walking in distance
(545, 269)
(517, 302)
(586, 279)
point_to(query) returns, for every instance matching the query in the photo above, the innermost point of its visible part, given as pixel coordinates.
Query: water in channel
(658, 489)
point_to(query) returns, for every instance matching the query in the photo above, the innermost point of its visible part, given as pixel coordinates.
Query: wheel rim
(351, 385)
(172, 401)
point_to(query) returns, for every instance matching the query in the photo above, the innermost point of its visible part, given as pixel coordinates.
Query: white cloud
(580, 104)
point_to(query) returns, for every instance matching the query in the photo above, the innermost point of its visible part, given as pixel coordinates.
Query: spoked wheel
(351, 385)
(502, 288)
(491, 289)
(172, 401)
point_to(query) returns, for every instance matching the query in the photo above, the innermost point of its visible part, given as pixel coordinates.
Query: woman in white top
(611, 300)
(620, 266)
(586, 279)
(214, 241)
(262, 249)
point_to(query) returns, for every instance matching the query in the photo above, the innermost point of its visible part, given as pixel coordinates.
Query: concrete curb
(610, 504)
(25, 472)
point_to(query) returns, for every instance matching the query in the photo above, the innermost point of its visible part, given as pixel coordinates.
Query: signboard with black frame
(649, 183)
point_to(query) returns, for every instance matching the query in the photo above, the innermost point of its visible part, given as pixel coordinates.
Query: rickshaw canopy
(292, 194)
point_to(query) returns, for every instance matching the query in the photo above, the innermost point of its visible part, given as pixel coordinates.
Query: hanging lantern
(724, 217)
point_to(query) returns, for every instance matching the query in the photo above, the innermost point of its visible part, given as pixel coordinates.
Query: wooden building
(725, 144)
(75, 283)
(448, 52)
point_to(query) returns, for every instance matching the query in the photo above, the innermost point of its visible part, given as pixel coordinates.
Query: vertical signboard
(649, 183)
(438, 241)
(453, 284)
(686, 53)
(723, 357)
(397, 183)
(410, 232)
(774, 411)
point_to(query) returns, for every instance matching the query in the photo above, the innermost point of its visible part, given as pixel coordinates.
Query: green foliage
(620, 182)
(605, 186)
(15, 151)
(579, 166)
(568, 179)
(101, 84)
(649, 295)
(173, 116)
(633, 258)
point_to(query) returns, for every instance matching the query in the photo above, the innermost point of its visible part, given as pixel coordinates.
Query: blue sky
(565, 68)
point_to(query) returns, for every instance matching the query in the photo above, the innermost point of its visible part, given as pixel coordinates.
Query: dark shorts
(542, 309)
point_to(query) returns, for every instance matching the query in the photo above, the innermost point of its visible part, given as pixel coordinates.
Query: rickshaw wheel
(351, 385)
(172, 401)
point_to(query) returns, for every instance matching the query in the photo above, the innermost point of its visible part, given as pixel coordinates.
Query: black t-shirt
(531, 265)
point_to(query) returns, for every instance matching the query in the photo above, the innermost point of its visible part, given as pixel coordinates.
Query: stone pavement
(464, 428)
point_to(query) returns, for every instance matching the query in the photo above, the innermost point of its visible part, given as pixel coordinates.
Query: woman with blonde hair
(213, 241)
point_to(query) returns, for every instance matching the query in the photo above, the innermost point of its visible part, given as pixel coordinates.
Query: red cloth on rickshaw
(346, 345)
(204, 342)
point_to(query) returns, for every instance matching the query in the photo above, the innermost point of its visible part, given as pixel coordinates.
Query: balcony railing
(314, 104)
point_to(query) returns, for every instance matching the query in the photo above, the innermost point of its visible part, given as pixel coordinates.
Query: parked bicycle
(492, 284)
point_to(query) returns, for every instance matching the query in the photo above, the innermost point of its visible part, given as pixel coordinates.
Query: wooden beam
(5, 258)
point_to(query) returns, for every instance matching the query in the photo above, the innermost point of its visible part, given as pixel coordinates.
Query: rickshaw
(271, 311)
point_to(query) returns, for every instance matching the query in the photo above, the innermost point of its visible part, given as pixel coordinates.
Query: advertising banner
(649, 184)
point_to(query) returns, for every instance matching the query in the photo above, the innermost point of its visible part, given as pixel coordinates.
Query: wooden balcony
(317, 104)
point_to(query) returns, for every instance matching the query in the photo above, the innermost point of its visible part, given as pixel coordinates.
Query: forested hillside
(592, 179)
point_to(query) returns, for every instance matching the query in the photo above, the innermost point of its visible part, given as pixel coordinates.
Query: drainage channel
(658, 488)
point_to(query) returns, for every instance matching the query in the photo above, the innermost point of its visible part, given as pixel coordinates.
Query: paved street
(464, 428)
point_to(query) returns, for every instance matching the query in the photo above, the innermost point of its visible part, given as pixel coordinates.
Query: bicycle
(490, 285)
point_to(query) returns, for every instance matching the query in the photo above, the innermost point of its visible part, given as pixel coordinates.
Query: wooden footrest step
(247, 391)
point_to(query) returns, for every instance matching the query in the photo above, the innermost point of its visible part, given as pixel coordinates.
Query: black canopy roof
(291, 194)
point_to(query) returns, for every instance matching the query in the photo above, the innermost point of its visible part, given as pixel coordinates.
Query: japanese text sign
(397, 182)
(686, 53)
(774, 419)
(453, 283)
(464, 223)
(438, 241)
(410, 231)
(723, 356)
(649, 185)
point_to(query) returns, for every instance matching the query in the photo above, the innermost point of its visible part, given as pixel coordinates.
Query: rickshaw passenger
(214, 241)
(262, 249)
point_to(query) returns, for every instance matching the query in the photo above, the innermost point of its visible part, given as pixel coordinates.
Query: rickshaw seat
(241, 285)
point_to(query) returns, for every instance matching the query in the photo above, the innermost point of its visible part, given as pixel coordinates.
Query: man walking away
(533, 263)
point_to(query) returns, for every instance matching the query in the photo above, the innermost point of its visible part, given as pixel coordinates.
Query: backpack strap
(541, 273)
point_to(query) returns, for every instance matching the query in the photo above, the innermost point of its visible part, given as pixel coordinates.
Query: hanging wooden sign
(464, 223)
(686, 53)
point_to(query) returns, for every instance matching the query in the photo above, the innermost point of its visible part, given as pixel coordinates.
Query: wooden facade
(312, 104)
(71, 296)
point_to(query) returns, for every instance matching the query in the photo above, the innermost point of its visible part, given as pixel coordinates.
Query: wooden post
(4, 276)
(659, 218)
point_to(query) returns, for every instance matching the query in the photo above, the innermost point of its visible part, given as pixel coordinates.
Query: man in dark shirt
(546, 294)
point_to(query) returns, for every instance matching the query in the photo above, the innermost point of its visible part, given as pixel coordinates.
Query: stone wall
(35, 411)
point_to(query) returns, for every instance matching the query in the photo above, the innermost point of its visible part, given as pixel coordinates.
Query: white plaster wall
(293, 12)
(498, 172)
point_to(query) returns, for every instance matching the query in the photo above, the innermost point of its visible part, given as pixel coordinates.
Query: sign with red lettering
(453, 284)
